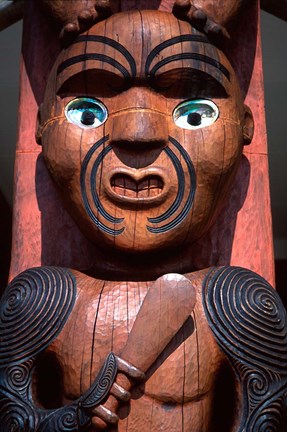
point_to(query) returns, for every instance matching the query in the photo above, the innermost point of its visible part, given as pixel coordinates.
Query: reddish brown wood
(116, 328)
(114, 181)
(222, 14)
(62, 247)
(138, 128)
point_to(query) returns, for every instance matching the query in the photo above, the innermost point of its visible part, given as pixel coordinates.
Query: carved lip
(147, 186)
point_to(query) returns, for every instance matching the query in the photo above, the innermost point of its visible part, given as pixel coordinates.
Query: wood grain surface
(147, 183)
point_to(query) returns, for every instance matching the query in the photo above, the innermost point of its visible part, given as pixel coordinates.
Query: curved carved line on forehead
(189, 56)
(114, 44)
(173, 41)
(85, 57)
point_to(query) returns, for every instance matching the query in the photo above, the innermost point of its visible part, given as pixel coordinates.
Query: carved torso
(101, 320)
(181, 385)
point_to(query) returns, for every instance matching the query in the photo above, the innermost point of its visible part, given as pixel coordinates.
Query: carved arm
(33, 311)
(249, 322)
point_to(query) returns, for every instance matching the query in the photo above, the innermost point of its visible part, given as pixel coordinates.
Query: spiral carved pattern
(62, 420)
(33, 310)
(268, 418)
(76, 417)
(16, 416)
(18, 378)
(102, 384)
(258, 382)
(247, 318)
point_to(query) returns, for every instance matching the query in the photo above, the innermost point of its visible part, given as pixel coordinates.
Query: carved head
(142, 128)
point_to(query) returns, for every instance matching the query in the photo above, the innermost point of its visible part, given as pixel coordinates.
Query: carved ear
(248, 127)
(38, 134)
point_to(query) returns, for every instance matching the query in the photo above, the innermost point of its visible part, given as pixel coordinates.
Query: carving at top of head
(142, 129)
(76, 16)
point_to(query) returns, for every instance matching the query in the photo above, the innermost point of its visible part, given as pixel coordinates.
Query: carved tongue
(125, 185)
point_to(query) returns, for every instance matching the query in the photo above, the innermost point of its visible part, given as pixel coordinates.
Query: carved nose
(139, 130)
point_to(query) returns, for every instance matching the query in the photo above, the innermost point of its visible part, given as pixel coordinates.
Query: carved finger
(98, 424)
(69, 31)
(215, 31)
(186, 11)
(106, 415)
(120, 393)
(130, 370)
(198, 17)
(85, 19)
(183, 9)
(86, 16)
(181, 6)
(103, 7)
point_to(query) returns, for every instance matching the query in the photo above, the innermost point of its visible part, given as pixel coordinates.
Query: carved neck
(137, 267)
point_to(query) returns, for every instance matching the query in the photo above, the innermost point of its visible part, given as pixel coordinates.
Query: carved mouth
(134, 187)
(126, 186)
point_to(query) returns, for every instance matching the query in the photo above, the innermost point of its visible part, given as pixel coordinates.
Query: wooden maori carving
(142, 128)
(75, 16)
(139, 143)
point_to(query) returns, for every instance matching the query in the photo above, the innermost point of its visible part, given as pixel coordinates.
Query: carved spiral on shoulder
(18, 377)
(247, 317)
(269, 418)
(33, 310)
(15, 416)
(258, 384)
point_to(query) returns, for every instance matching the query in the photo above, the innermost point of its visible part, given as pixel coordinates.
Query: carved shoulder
(248, 321)
(33, 310)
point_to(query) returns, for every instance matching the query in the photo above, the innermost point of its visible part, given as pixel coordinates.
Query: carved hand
(18, 409)
(75, 16)
(165, 309)
(105, 415)
(198, 18)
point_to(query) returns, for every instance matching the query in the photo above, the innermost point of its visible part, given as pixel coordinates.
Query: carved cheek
(61, 148)
(218, 150)
(215, 152)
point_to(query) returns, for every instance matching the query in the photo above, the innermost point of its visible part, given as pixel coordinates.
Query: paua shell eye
(194, 114)
(86, 113)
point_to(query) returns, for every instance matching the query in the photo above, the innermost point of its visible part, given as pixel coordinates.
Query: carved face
(142, 128)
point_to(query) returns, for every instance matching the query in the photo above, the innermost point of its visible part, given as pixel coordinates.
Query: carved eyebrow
(183, 56)
(94, 56)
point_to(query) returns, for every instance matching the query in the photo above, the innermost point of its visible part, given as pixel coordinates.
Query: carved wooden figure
(142, 128)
